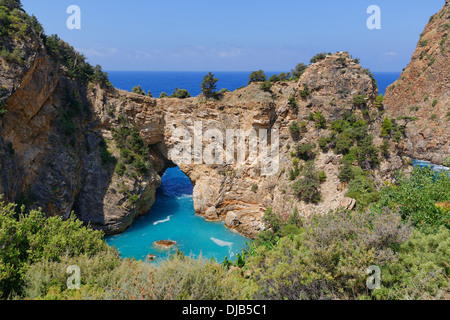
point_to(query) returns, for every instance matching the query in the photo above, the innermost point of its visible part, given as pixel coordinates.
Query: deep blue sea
(159, 81)
(173, 216)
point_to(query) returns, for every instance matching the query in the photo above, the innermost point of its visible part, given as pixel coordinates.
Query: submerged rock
(164, 244)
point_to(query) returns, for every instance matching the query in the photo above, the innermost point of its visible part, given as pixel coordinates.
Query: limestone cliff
(70, 144)
(423, 92)
(239, 193)
(52, 153)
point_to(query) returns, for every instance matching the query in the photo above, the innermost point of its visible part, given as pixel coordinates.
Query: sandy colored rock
(423, 92)
(164, 244)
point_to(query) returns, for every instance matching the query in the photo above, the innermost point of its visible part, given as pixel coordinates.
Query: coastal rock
(232, 220)
(211, 214)
(164, 244)
(421, 96)
(150, 257)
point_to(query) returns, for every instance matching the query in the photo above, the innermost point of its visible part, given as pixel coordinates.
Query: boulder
(164, 244)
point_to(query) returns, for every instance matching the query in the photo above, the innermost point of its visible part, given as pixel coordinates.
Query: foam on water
(222, 243)
(162, 221)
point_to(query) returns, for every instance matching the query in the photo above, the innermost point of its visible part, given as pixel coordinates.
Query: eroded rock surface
(423, 92)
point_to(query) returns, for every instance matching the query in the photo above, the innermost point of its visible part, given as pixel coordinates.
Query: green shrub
(319, 119)
(307, 188)
(266, 86)
(386, 127)
(418, 198)
(305, 151)
(318, 57)
(344, 143)
(359, 100)
(305, 92)
(363, 191)
(446, 161)
(322, 176)
(180, 94)
(138, 90)
(33, 237)
(323, 143)
(257, 76)
(120, 169)
(208, 85)
(384, 148)
(163, 95)
(292, 103)
(132, 148)
(299, 70)
(329, 258)
(274, 78)
(421, 270)
(378, 103)
(294, 129)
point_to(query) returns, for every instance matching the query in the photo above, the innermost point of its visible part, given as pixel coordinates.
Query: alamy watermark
(374, 21)
(374, 280)
(251, 147)
(74, 20)
(74, 280)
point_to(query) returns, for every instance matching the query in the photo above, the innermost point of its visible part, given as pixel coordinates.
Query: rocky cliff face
(67, 145)
(52, 153)
(423, 92)
(239, 193)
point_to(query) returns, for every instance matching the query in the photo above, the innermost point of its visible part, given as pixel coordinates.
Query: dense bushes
(323, 257)
(423, 197)
(307, 187)
(180, 94)
(421, 270)
(133, 152)
(106, 276)
(318, 57)
(15, 24)
(327, 259)
(31, 238)
(257, 76)
(74, 62)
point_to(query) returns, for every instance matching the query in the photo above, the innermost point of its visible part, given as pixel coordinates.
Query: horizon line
(271, 71)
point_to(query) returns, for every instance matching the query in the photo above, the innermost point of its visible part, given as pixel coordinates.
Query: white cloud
(390, 53)
(101, 52)
(191, 51)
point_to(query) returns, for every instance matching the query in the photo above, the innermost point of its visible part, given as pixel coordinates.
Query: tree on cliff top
(299, 70)
(257, 76)
(11, 4)
(209, 85)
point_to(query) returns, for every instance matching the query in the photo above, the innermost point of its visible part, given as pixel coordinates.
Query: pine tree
(209, 85)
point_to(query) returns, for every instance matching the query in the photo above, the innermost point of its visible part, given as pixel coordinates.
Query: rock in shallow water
(164, 244)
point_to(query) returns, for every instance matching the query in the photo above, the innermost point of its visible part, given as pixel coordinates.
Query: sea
(173, 217)
(163, 81)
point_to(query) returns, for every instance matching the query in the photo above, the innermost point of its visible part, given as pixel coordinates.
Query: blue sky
(232, 35)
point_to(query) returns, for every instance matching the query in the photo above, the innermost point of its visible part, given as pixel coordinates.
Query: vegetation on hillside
(324, 257)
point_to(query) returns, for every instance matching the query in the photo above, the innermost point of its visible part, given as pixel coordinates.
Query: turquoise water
(173, 218)
(435, 167)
